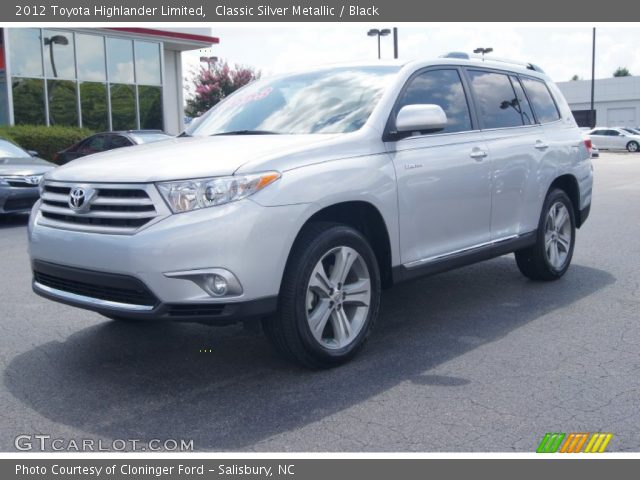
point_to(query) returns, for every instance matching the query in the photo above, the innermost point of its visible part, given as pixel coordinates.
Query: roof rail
(466, 56)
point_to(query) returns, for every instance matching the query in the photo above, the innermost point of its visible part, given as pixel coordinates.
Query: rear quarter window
(541, 100)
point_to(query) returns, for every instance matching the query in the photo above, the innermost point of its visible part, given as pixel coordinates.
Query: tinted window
(443, 88)
(497, 102)
(120, 60)
(117, 141)
(612, 133)
(598, 132)
(525, 108)
(543, 103)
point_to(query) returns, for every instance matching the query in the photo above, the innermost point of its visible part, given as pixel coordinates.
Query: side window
(541, 99)
(525, 108)
(598, 132)
(96, 143)
(612, 133)
(117, 141)
(443, 88)
(497, 101)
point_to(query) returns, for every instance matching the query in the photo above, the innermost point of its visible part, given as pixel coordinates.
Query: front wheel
(551, 255)
(329, 298)
(633, 147)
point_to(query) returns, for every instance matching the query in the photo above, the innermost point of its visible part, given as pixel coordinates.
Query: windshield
(9, 150)
(328, 101)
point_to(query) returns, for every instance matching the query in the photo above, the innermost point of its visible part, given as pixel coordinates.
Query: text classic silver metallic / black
(299, 197)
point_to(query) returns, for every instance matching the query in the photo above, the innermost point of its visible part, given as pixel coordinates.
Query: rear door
(516, 144)
(599, 138)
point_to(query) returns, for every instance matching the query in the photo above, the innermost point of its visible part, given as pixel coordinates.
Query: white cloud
(560, 51)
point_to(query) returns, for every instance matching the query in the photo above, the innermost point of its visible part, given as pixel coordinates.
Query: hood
(182, 158)
(24, 166)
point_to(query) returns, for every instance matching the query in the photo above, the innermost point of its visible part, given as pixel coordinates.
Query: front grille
(98, 285)
(19, 204)
(20, 183)
(114, 208)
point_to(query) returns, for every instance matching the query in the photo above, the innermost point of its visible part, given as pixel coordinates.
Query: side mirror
(414, 118)
(33, 153)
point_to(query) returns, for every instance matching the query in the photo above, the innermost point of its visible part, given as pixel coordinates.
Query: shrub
(44, 140)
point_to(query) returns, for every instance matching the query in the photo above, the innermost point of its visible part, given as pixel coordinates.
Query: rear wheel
(633, 146)
(550, 257)
(329, 299)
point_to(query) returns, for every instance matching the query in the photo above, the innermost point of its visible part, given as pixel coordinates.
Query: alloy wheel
(338, 297)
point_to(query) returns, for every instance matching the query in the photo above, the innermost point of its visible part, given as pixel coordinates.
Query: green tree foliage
(622, 72)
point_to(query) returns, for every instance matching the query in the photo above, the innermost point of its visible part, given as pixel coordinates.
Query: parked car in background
(632, 131)
(611, 138)
(101, 142)
(20, 175)
(593, 150)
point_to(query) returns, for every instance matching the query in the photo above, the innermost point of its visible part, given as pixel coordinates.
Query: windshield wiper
(246, 132)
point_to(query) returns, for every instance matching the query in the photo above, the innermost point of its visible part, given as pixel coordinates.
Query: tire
(633, 147)
(551, 255)
(314, 293)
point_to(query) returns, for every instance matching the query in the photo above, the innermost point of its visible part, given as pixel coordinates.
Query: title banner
(311, 11)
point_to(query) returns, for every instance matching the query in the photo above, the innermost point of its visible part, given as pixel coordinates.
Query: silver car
(300, 197)
(20, 175)
(608, 138)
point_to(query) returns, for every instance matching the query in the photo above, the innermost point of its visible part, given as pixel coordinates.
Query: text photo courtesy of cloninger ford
(319, 238)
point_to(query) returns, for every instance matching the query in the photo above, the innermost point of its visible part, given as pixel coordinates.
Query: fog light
(216, 285)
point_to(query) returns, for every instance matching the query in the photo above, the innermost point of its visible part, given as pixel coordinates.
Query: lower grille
(17, 204)
(103, 286)
(196, 310)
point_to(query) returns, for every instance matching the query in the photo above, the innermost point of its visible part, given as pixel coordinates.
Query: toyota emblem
(79, 198)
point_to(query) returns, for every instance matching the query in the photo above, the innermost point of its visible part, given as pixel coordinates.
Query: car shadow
(13, 220)
(225, 388)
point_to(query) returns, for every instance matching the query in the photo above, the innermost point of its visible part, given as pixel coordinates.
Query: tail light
(588, 144)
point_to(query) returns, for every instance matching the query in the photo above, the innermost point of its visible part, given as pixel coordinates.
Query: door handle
(540, 145)
(478, 153)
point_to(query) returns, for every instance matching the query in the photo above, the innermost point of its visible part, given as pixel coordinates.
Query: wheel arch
(569, 184)
(367, 219)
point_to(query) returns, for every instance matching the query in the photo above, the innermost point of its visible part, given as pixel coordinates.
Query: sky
(561, 51)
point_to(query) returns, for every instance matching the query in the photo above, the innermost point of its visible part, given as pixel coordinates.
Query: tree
(575, 78)
(214, 84)
(622, 72)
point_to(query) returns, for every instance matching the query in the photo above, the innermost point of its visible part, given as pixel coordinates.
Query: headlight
(187, 195)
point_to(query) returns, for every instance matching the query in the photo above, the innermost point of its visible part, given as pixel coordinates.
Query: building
(617, 100)
(99, 78)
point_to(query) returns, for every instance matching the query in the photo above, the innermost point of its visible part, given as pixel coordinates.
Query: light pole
(209, 61)
(58, 40)
(483, 51)
(592, 115)
(374, 32)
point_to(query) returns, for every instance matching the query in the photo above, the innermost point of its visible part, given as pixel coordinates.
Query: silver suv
(299, 198)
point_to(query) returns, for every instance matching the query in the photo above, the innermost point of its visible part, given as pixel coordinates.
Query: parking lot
(478, 359)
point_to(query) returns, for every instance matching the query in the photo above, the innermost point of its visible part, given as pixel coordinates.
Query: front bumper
(119, 295)
(245, 238)
(17, 199)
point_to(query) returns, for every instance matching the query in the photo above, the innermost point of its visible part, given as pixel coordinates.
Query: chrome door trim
(423, 261)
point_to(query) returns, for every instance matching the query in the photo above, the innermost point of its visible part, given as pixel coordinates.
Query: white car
(611, 138)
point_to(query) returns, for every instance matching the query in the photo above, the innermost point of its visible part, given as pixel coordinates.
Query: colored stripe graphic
(550, 443)
(573, 443)
(598, 443)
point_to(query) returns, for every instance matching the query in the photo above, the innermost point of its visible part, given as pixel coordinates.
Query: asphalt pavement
(477, 359)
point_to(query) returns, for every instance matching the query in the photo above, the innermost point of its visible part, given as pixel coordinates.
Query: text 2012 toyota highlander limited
(298, 198)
